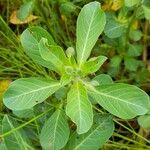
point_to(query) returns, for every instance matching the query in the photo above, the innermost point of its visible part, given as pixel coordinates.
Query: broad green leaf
(27, 113)
(146, 12)
(25, 10)
(122, 100)
(135, 50)
(135, 35)
(61, 94)
(130, 3)
(53, 54)
(114, 28)
(3, 146)
(17, 140)
(55, 133)
(27, 92)
(30, 39)
(96, 137)
(90, 24)
(144, 121)
(79, 108)
(103, 79)
(93, 65)
(131, 64)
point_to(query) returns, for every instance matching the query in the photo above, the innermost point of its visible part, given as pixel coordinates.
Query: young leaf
(55, 133)
(25, 10)
(27, 92)
(65, 79)
(17, 140)
(30, 39)
(53, 54)
(79, 108)
(144, 121)
(93, 65)
(122, 100)
(96, 137)
(130, 3)
(90, 24)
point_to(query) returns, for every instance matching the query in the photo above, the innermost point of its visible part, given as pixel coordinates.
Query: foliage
(66, 97)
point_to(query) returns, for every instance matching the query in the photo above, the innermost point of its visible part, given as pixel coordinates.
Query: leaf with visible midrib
(27, 92)
(55, 133)
(53, 54)
(90, 24)
(79, 108)
(122, 100)
(114, 28)
(30, 39)
(93, 64)
(96, 137)
(17, 140)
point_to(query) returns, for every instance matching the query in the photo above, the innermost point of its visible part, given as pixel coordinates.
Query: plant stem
(23, 125)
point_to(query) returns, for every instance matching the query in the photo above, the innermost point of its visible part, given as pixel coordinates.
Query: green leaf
(30, 39)
(90, 24)
(61, 94)
(53, 54)
(122, 100)
(114, 28)
(70, 52)
(27, 92)
(135, 35)
(114, 67)
(131, 64)
(65, 79)
(93, 65)
(96, 137)
(25, 10)
(146, 12)
(144, 121)
(79, 108)
(130, 3)
(28, 113)
(103, 79)
(67, 7)
(3, 146)
(17, 140)
(135, 50)
(55, 133)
